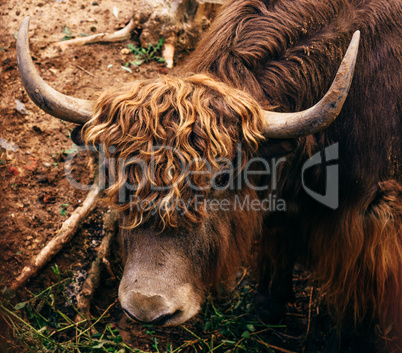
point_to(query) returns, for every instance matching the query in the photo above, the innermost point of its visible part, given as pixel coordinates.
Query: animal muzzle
(153, 305)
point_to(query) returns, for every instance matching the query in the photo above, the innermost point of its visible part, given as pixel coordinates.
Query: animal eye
(222, 180)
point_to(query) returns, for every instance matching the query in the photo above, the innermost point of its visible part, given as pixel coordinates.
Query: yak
(197, 160)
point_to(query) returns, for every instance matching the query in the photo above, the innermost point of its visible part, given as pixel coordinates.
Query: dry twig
(92, 281)
(309, 317)
(63, 236)
(86, 71)
(117, 36)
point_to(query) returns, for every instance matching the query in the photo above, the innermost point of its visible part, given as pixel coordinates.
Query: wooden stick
(309, 317)
(92, 281)
(63, 236)
(117, 36)
(168, 50)
(86, 71)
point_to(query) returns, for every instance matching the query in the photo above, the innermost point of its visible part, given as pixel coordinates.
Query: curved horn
(322, 114)
(45, 97)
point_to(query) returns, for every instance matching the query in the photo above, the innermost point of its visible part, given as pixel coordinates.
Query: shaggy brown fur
(160, 132)
(285, 54)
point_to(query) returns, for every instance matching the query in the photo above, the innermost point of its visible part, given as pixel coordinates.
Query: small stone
(95, 3)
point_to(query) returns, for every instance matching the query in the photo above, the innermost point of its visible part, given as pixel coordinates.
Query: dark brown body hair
(285, 54)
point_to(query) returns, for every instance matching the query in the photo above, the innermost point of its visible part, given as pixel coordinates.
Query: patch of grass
(67, 33)
(71, 150)
(44, 323)
(224, 325)
(144, 55)
(63, 212)
(231, 325)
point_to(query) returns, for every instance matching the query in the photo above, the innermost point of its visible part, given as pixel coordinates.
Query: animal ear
(279, 147)
(76, 135)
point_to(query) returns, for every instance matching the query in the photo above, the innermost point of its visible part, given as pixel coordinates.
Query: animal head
(177, 149)
(172, 146)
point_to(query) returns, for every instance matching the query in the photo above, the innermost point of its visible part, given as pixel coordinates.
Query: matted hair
(150, 129)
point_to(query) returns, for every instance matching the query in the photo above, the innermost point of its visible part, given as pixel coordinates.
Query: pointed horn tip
(354, 42)
(350, 57)
(24, 25)
(22, 33)
(356, 34)
(330, 104)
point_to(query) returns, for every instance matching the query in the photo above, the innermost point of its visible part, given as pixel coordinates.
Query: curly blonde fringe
(150, 129)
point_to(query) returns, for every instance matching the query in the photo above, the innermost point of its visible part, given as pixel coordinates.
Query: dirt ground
(33, 186)
(35, 197)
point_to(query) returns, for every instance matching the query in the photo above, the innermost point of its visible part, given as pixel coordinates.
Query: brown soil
(33, 186)
(35, 196)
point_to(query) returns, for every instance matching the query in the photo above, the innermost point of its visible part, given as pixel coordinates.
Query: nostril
(160, 320)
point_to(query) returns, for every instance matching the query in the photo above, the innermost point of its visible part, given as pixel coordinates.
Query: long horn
(322, 114)
(45, 97)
